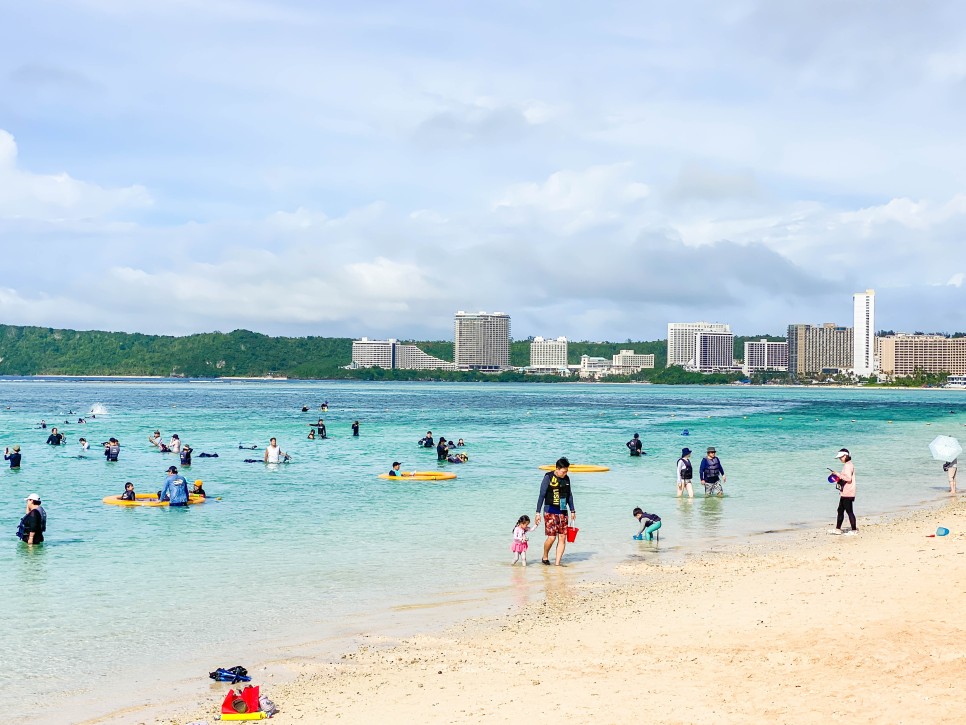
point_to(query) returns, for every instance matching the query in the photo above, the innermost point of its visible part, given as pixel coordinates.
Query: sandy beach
(865, 628)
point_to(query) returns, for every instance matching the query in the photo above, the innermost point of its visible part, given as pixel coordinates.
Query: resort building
(368, 353)
(815, 349)
(902, 355)
(863, 333)
(593, 367)
(627, 362)
(681, 340)
(391, 355)
(713, 352)
(482, 341)
(764, 355)
(548, 353)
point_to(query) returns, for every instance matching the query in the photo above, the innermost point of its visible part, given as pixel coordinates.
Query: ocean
(122, 606)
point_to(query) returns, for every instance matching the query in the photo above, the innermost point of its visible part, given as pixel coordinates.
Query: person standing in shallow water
(554, 499)
(355, 429)
(712, 474)
(951, 468)
(685, 473)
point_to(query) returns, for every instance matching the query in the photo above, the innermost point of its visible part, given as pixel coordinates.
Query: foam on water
(302, 551)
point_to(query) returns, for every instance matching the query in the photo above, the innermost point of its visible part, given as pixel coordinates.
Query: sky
(596, 170)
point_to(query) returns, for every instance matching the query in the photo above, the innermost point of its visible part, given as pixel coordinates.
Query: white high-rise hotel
(481, 341)
(548, 353)
(863, 331)
(682, 340)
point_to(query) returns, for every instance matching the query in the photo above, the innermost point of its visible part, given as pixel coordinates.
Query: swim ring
(147, 499)
(421, 475)
(579, 468)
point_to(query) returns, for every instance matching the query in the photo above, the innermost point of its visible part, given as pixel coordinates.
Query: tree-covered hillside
(46, 351)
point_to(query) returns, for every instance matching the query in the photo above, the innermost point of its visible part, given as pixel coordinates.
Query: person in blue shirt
(13, 457)
(712, 474)
(554, 499)
(175, 488)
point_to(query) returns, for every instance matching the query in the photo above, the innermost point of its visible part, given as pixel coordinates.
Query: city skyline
(611, 167)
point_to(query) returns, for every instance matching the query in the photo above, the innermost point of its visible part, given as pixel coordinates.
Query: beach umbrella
(945, 448)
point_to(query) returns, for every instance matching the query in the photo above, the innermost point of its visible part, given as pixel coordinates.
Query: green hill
(46, 351)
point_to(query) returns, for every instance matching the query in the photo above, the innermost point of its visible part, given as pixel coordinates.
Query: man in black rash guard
(555, 498)
(55, 438)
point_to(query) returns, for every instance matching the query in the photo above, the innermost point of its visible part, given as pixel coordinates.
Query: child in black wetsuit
(198, 490)
(128, 494)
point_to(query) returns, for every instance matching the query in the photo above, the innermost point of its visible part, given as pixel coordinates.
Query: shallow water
(302, 551)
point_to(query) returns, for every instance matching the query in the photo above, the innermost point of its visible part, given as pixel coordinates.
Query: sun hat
(16, 448)
(843, 452)
(33, 497)
(711, 449)
(685, 452)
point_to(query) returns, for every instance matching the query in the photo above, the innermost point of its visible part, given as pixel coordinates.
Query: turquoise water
(301, 551)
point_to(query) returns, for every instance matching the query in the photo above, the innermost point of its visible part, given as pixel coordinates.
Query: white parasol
(945, 448)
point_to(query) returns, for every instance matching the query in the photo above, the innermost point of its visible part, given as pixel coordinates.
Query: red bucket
(572, 534)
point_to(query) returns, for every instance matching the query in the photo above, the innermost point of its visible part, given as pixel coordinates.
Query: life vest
(112, 452)
(558, 491)
(635, 445)
(713, 471)
(688, 472)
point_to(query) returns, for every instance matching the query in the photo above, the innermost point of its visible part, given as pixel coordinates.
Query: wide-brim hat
(685, 452)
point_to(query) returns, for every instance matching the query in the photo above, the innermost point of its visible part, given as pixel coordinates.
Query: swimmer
(155, 440)
(460, 443)
(198, 490)
(321, 426)
(274, 454)
(85, 446)
(355, 429)
(311, 434)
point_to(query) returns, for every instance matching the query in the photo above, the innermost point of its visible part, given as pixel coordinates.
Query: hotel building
(391, 355)
(627, 362)
(863, 333)
(681, 340)
(713, 352)
(817, 348)
(482, 341)
(902, 355)
(764, 355)
(548, 354)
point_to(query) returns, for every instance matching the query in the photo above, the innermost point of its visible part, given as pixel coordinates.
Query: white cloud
(27, 195)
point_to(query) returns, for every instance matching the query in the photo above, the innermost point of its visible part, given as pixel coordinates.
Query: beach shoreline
(776, 630)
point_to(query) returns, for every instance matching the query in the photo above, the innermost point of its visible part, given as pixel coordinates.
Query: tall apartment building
(628, 362)
(863, 333)
(814, 348)
(482, 341)
(713, 352)
(391, 355)
(763, 355)
(681, 340)
(901, 355)
(549, 354)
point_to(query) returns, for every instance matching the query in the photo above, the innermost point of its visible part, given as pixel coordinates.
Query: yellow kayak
(147, 499)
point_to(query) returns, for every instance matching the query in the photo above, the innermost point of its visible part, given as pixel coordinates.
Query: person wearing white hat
(33, 524)
(846, 484)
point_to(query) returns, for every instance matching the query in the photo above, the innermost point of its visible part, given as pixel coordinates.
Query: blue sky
(595, 170)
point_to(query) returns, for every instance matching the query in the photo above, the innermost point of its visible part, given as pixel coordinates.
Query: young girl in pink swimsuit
(520, 544)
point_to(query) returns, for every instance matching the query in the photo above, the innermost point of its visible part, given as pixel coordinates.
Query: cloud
(24, 194)
(483, 122)
(595, 177)
(574, 200)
